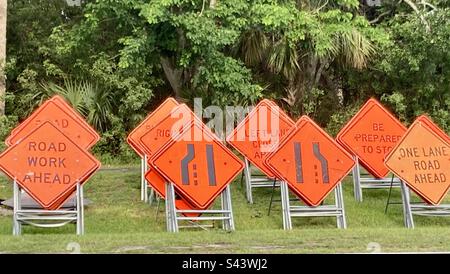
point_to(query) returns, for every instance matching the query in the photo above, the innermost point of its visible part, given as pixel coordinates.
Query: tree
(301, 44)
(411, 72)
(416, 67)
(3, 15)
(117, 60)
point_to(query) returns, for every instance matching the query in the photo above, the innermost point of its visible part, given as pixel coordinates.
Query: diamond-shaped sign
(47, 164)
(152, 119)
(168, 126)
(310, 161)
(61, 114)
(156, 138)
(198, 164)
(424, 119)
(371, 134)
(422, 160)
(259, 133)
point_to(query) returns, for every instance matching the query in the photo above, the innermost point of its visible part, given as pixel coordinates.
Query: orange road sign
(162, 132)
(61, 114)
(149, 122)
(159, 135)
(370, 135)
(47, 164)
(198, 164)
(256, 136)
(435, 128)
(310, 161)
(158, 183)
(422, 160)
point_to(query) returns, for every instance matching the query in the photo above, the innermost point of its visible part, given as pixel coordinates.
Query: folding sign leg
(152, 196)
(408, 207)
(142, 179)
(223, 206)
(14, 227)
(388, 202)
(171, 210)
(158, 204)
(166, 206)
(356, 172)
(242, 178)
(145, 185)
(228, 223)
(283, 204)
(17, 226)
(287, 222)
(230, 209)
(406, 201)
(339, 200)
(271, 196)
(80, 209)
(248, 181)
(169, 224)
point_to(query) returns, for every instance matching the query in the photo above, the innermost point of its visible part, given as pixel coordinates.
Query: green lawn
(118, 221)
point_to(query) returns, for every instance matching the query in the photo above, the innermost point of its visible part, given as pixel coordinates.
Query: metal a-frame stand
(145, 196)
(360, 182)
(255, 181)
(337, 210)
(422, 209)
(48, 218)
(173, 215)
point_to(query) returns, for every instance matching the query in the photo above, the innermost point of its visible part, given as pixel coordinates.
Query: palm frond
(356, 49)
(252, 46)
(91, 101)
(283, 58)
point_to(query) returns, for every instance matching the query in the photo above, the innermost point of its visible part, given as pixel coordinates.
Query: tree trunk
(3, 14)
(173, 75)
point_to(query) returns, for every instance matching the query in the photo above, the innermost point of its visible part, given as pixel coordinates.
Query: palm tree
(303, 65)
(94, 102)
(3, 15)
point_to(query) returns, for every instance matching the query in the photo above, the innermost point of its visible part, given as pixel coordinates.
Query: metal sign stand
(337, 210)
(260, 181)
(144, 185)
(422, 209)
(173, 215)
(360, 183)
(47, 218)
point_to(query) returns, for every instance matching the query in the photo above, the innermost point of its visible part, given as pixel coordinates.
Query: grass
(118, 221)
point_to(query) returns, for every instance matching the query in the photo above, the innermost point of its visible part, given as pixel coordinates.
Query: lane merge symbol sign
(198, 164)
(155, 139)
(310, 161)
